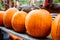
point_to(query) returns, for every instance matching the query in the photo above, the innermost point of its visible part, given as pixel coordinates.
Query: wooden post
(6, 4)
(47, 3)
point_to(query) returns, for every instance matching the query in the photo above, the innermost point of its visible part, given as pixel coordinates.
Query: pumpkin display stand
(24, 35)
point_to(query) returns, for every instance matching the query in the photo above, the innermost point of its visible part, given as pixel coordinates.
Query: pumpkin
(13, 37)
(55, 30)
(18, 21)
(8, 16)
(38, 23)
(1, 17)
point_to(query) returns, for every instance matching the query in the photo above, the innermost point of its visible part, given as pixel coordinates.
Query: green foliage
(40, 2)
(56, 1)
(1, 5)
(27, 2)
(24, 2)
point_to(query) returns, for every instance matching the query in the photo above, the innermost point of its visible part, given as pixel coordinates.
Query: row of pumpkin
(37, 23)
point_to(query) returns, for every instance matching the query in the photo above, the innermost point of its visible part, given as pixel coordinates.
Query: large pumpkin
(8, 16)
(1, 17)
(55, 32)
(18, 21)
(38, 23)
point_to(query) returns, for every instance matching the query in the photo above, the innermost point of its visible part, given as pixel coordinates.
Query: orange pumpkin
(55, 31)
(18, 21)
(13, 37)
(1, 17)
(38, 23)
(8, 16)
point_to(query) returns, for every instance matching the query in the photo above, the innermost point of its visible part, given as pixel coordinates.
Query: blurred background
(32, 4)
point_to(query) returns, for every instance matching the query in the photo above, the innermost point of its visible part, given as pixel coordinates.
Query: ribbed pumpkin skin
(38, 23)
(55, 31)
(8, 16)
(1, 17)
(18, 21)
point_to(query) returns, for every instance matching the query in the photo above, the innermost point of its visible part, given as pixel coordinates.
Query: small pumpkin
(1, 17)
(8, 16)
(13, 37)
(38, 23)
(18, 21)
(55, 31)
